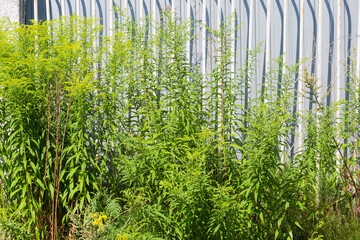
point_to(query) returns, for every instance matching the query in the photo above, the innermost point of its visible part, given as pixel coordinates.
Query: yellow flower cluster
(121, 237)
(98, 222)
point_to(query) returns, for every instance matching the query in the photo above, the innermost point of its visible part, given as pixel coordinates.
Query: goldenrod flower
(99, 221)
(120, 237)
(96, 222)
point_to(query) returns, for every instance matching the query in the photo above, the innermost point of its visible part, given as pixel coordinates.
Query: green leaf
(287, 205)
(51, 188)
(276, 233)
(14, 192)
(217, 228)
(298, 224)
(72, 172)
(34, 168)
(261, 217)
(73, 191)
(13, 183)
(81, 184)
(28, 178)
(40, 183)
(179, 233)
(291, 235)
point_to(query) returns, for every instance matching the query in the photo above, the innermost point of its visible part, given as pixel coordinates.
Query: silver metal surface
(321, 31)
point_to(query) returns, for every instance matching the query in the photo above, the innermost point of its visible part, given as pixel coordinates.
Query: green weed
(128, 140)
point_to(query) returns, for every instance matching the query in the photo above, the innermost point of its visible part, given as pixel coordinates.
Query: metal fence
(322, 31)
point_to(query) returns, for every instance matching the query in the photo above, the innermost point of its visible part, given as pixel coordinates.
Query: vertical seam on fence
(36, 11)
(233, 17)
(93, 10)
(251, 24)
(358, 46)
(285, 32)
(319, 44)
(253, 85)
(125, 7)
(285, 58)
(154, 18)
(203, 68)
(268, 47)
(318, 83)
(188, 17)
(357, 63)
(338, 55)
(141, 10)
(110, 22)
(62, 7)
(218, 44)
(47, 9)
(110, 18)
(338, 73)
(77, 7)
(93, 15)
(232, 28)
(300, 99)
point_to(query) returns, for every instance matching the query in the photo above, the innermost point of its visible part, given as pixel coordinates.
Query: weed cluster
(127, 140)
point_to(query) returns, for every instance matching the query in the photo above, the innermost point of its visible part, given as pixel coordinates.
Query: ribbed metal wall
(323, 31)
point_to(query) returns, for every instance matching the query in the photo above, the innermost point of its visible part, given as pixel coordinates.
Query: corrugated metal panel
(323, 31)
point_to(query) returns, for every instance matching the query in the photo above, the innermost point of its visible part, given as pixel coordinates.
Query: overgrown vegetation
(129, 141)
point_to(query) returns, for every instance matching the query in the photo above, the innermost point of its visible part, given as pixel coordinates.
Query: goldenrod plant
(46, 78)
